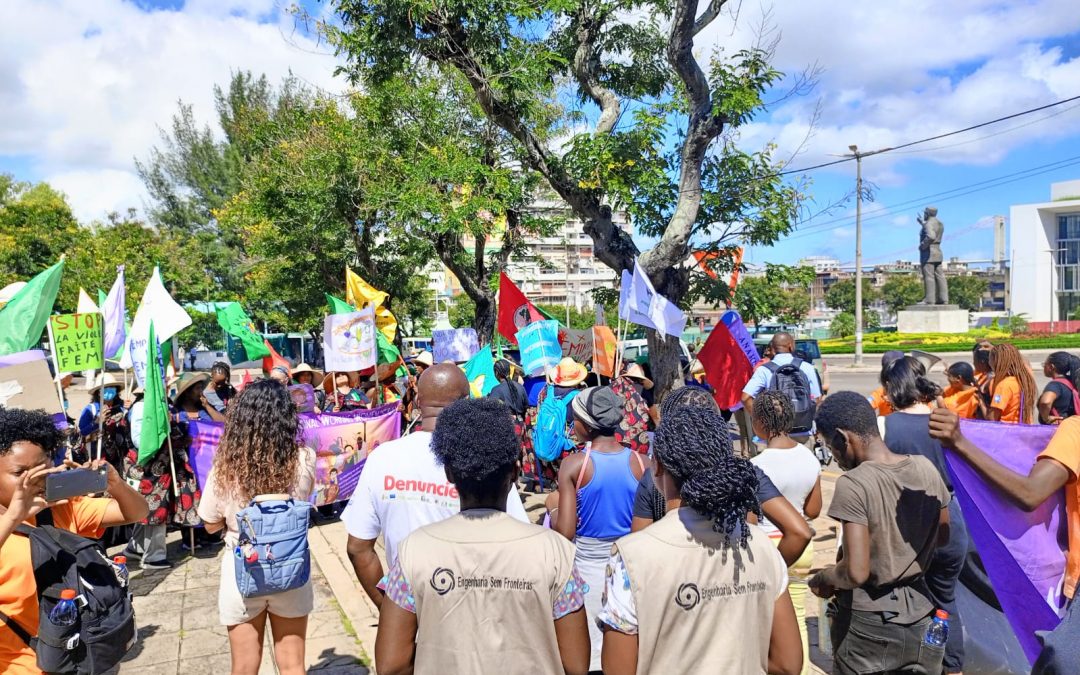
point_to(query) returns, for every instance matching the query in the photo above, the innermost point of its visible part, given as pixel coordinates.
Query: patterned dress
(155, 483)
(634, 429)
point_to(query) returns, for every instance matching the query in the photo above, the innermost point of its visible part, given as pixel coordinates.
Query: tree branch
(586, 65)
(710, 14)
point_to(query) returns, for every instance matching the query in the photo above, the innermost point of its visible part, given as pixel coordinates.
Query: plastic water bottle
(121, 569)
(66, 613)
(937, 633)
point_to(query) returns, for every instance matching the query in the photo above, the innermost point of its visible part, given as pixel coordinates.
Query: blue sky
(84, 87)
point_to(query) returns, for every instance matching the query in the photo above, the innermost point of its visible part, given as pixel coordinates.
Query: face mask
(109, 395)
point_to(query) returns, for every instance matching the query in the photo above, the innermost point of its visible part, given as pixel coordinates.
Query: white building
(1045, 268)
(820, 263)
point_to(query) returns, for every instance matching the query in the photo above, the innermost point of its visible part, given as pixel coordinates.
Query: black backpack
(105, 630)
(792, 382)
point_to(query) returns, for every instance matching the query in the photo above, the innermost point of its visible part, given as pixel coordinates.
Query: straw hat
(636, 372)
(316, 375)
(105, 380)
(425, 359)
(569, 373)
(188, 381)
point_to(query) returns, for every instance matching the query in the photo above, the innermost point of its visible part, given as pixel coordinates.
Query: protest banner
(455, 344)
(77, 341)
(25, 383)
(605, 347)
(577, 344)
(342, 443)
(349, 341)
(539, 344)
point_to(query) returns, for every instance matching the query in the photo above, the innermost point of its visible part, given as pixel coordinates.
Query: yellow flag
(386, 322)
(359, 293)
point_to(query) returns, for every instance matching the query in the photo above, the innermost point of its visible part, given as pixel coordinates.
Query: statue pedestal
(932, 319)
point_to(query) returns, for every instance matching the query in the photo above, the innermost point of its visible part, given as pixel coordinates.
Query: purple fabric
(21, 357)
(742, 337)
(1024, 553)
(113, 310)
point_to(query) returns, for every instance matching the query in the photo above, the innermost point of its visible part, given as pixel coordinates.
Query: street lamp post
(858, 256)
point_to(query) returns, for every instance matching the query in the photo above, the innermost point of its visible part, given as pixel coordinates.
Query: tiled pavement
(176, 612)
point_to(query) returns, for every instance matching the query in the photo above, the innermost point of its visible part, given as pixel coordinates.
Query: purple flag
(737, 328)
(113, 311)
(1024, 553)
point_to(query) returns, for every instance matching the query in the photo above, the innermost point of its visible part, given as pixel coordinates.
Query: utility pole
(858, 256)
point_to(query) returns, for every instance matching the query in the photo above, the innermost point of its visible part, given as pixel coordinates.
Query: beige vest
(702, 607)
(484, 585)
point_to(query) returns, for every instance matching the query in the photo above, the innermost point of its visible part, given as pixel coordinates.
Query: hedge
(963, 342)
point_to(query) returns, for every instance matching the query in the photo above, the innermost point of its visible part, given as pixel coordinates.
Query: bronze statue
(935, 288)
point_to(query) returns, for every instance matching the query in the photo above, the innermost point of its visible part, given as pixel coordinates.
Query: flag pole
(56, 365)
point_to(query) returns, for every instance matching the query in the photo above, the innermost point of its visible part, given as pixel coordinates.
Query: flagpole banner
(169, 319)
(77, 340)
(540, 348)
(627, 303)
(605, 348)
(455, 344)
(349, 341)
(359, 292)
(480, 371)
(577, 344)
(25, 383)
(235, 322)
(738, 331)
(1023, 552)
(515, 310)
(23, 318)
(86, 305)
(113, 310)
(342, 443)
(727, 368)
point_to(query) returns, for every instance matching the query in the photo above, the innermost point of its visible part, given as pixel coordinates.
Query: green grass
(362, 658)
(964, 344)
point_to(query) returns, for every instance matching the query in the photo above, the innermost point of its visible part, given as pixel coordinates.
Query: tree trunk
(484, 320)
(665, 354)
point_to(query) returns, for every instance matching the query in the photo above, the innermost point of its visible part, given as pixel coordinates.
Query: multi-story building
(822, 264)
(1045, 240)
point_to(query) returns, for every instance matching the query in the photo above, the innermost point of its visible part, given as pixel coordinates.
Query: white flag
(169, 319)
(349, 341)
(86, 305)
(645, 307)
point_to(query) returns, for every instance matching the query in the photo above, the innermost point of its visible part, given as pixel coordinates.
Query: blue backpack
(272, 555)
(549, 435)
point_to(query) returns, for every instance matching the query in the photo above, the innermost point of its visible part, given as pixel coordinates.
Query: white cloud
(84, 87)
(908, 69)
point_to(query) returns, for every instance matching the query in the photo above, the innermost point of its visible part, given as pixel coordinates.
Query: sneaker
(156, 565)
(131, 554)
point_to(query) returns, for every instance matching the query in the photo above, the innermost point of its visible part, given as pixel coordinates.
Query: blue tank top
(605, 505)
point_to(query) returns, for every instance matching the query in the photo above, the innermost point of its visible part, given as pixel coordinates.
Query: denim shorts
(864, 642)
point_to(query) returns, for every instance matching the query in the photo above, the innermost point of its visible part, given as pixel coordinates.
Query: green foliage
(901, 291)
(843, 324)
(36, 227)
(967, 291)
(781, 294)
(582, 319)
(203, 331)
(462, 310)
(841, 295)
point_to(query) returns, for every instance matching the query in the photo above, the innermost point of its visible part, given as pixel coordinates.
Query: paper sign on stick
(77, 340)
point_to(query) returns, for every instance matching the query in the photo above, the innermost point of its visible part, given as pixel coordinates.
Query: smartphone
(75, 483)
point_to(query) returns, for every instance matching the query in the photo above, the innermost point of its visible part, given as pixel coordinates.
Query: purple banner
(1023, 552)
(21, 357)
(341, 441)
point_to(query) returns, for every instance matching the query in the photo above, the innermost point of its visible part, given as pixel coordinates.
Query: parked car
(634, 349)
(805, 346)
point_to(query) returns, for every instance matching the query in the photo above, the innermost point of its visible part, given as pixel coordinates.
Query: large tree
(657, 116)
(967, 291)
(900, 291)
(36, 227)
(841, 295)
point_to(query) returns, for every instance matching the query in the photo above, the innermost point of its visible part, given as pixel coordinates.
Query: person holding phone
(28, 440)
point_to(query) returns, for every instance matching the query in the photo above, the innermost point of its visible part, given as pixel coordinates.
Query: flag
(480, 371)
(234, 321)
(359, 293)
(155, 421)
(727, 368)
(338, 306)
(113, 311)
(1023, 551)
(733, 321)
(169, 319)
(515, 310)
(540, 348)
(272, 359)
(24, 317)
(642, 305)
(101, 297)
(86, 304)
(349, 341)
(386, 322)
(605, 347)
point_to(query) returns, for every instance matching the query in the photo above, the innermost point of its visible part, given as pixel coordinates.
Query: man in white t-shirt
(402, 487)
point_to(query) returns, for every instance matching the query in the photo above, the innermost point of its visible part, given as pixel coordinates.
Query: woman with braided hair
(700, 590)
(1014, 394)
(1059, 399)
(796, 472)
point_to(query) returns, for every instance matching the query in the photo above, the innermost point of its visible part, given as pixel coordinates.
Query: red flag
(726, 366)
(515, 310)
(245, 381)
(274, 360)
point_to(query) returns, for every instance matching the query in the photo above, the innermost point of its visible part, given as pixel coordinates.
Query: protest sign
(604, 349)
(455, 344)
(25, 383)
(341, 441)
(77, 340)
(577, 344)
(303, 396)
(349, 341)
(539, 344)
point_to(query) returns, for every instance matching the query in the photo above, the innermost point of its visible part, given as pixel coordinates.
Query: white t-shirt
(403, 488)
(794, 472)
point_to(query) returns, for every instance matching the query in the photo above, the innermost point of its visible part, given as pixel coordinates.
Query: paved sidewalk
(176, 612)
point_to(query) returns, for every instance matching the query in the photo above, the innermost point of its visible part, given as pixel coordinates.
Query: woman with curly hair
(260, 454)
(483, 591)
(701, 590)
(1014, 393)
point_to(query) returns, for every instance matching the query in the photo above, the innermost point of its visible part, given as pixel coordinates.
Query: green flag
(155, 420)
(101, 298)
(339, 306)
(480, 371)
(24, 317)
(234, 321)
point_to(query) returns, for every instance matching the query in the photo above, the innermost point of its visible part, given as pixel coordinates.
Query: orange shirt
(1006, 398)
(879, 403)
(1064, 447)
(18, 591)
(963, 402)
